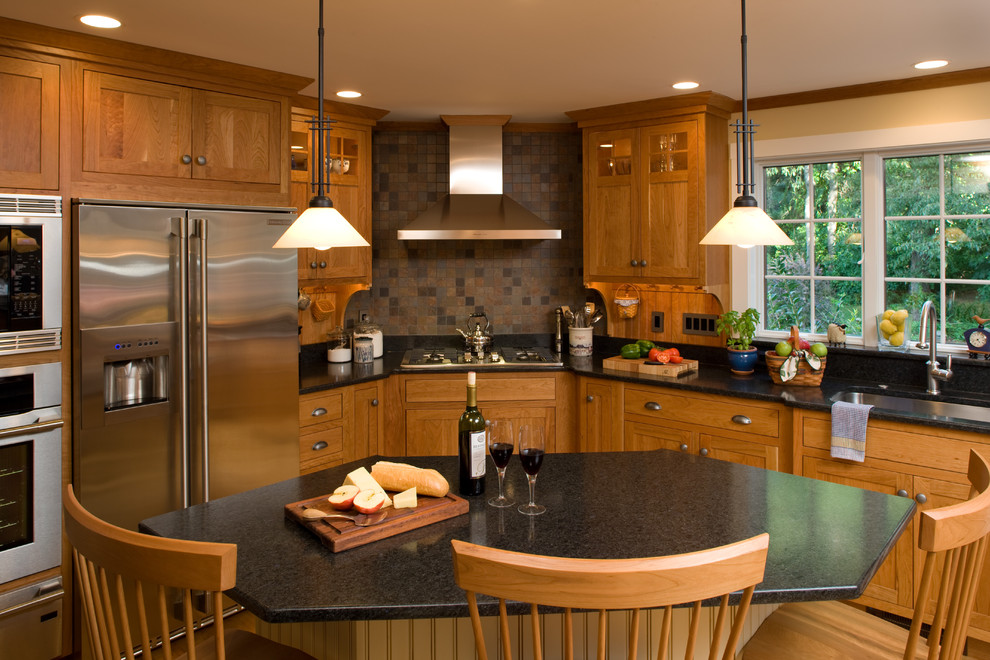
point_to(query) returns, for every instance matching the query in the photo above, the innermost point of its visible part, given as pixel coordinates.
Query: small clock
(978, 339)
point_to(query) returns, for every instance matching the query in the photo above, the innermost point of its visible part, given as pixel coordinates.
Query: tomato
(662, 358)
(676, 359)
(673, 351)
(653, 354)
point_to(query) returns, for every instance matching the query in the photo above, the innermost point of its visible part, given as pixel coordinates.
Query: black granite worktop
(826, 540)
(857, 369)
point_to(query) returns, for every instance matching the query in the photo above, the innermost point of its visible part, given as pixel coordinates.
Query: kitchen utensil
(359, 519)
(597, 316)
(304, 300)
(477, 340)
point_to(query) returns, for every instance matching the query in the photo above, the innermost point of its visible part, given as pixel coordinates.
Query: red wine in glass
(531, 459)
(501, 453)
(501, 442)
(532, 446)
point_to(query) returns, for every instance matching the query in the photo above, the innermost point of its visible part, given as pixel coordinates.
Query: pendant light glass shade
(745, 225)
(321, 227)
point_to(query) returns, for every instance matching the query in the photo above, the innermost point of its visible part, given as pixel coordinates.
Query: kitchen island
(826, 540)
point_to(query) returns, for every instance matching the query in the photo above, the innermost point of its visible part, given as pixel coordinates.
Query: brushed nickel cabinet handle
(633, 263)
(589, 398)
(652, 405)
(186, 159)
(374, 402)
(902, 493)
(643, 263)
(920, 498)
(704, 451)
(318, 412)
(741, 419)
(201, 160)
(684, 447)
(320, 445)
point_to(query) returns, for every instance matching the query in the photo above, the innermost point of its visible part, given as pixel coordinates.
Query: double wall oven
(30, 428)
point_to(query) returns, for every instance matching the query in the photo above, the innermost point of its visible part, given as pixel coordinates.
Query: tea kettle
(477, 340)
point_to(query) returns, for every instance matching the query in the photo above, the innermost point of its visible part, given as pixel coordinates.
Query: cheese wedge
(364, 481)
(405, 500)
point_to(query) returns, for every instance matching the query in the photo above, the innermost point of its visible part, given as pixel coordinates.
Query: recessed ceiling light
(931, 64)
(348, 94)
(687, 84)
(94, 20)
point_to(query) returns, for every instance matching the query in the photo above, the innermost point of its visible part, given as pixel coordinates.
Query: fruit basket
(627, 300)
(801, 364)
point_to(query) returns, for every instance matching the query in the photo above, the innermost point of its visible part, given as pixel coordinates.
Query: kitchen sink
(906, 403)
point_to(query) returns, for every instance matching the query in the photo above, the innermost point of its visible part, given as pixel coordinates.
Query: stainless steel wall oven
(30, 273)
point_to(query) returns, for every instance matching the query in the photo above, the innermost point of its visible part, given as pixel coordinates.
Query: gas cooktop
(448, 357)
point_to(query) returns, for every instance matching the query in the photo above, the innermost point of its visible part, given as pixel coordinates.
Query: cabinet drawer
(321, 448)
(896, 444)
(322, 407)
(433, 390)
(715, 412)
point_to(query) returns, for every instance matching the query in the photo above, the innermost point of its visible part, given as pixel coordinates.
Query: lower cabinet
(599, 409)
(339, 425)
(905, 460)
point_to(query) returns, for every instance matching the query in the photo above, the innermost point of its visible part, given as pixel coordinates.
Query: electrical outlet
(700, 324)
(363, 316)
(657, 321)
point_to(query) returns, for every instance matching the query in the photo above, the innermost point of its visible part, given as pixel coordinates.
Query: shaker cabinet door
(236, 138)
(29, 111)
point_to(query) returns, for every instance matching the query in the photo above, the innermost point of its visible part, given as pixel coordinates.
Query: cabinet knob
(201, 160)
(920, 498)
(186, 159)
(374, 402)
(318, 412)
(323, 264)
(684, 447)
(741, 419)
(643, 263)
(652, 405)
(902, 493)
(633, 263)
(704, 451)
(320, 445)
(589, 398)
(312, 264)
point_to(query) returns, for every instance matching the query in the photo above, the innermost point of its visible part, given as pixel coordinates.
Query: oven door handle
(31, 428)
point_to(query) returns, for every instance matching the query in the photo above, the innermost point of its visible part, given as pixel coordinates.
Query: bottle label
(477, 444)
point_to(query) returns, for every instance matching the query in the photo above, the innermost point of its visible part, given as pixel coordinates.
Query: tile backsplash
(431, 287)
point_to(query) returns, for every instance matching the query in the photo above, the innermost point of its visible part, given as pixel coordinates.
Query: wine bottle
(471, 443)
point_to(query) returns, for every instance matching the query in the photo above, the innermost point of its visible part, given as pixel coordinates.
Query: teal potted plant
(738, 329)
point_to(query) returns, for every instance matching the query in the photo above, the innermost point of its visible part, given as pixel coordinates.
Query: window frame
(870, 147)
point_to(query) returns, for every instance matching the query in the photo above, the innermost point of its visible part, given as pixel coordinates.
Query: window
(919, 221)
(937, 237)
(819, 279)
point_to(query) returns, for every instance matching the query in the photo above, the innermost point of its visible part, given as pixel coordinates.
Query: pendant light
(745, 224)
(320, 226)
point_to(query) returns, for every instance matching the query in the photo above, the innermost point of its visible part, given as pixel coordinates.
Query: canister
(364, 350)
(338, 345)
(374, 332)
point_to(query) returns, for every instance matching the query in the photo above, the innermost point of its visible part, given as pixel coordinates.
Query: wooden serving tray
(339, 534)
(641, 366)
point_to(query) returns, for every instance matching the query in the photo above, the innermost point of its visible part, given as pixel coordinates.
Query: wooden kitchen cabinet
(29, 124)
(142, 127)
(348, 184)
(727, 428)
(366, 429)
(432, 406)
(910, 461)
(599, 405)
(655, 180)
(321, 430)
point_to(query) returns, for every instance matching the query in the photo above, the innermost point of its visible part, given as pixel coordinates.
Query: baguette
(400, 476)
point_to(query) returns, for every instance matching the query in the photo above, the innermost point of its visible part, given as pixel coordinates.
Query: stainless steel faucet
(927, 338)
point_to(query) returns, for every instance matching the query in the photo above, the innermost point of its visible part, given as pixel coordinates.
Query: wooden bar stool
(613, 584)
(123, 577)
(954, 539)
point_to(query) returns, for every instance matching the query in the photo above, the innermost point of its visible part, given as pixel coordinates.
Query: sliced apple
(343, 498)
(369, 501)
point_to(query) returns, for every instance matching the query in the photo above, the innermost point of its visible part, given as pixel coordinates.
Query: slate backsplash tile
(431, 287)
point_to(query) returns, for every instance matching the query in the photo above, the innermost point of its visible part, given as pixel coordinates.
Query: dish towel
(849, 430)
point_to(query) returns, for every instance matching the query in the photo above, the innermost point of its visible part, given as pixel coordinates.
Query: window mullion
(874, 243)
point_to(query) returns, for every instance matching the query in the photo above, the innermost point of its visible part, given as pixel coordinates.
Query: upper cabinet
(655, 180)
(133, 126)
(29, 118)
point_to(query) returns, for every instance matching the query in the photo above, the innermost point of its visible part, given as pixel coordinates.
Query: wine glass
(532, 446)
(500, 446)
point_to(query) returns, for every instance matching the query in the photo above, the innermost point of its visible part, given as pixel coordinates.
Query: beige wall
(934, 106)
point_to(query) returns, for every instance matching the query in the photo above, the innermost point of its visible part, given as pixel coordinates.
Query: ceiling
(536, 59)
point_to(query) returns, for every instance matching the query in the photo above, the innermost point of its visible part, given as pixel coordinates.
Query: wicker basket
(806, 376)
(627, 300)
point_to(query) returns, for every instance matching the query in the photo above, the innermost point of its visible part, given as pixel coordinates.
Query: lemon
(887, 328)
(899, 316)
(896, 339)
(887, 314)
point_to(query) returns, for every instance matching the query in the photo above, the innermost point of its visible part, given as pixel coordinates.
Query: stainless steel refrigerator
(185, 345)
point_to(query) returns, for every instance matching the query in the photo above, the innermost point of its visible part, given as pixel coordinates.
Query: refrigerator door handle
(180, 228)
(204, 372)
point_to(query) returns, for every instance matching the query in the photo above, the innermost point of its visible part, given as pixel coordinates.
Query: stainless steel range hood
(476, 208)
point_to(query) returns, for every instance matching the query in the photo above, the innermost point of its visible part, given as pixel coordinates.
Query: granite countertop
(826, 540)
(877, 375)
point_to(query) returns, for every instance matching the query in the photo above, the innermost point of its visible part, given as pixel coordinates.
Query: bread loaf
(400, 476)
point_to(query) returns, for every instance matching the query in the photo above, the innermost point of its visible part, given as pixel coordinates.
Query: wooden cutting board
(339, 534)
(642, 366)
